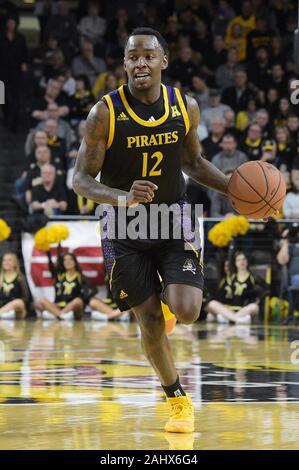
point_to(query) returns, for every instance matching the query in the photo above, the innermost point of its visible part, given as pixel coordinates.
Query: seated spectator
(291, 202)
(82, 101)
(260, 37)
(200, 38)
(59, 134)
(33, 177)
(237, 40)
(284, 110)
(230, 124)
(285, 151)
(93, 26)
(215, 109)
(222, 16)
(224, 76)
(214, 59)
(110, 83)
(237, 96)
(247, 19)
(293, 128)
(67, 81)
(259, 70)
(262, 119)
(183, 68)
(278, 80)
(271, 101)
(239, 294)
(229, 158)
(87, 64)
(52, 94)
(68, 283)
(201, 92)
(212, 144)
(14, 292)
(269, 154)
(246, 117)
(252, 144)
(220, 205)
(50, 196)
(63, 27)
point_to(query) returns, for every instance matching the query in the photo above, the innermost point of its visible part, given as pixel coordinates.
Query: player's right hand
(141, 192)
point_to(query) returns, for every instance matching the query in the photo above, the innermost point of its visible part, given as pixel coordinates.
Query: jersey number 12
(154, 171)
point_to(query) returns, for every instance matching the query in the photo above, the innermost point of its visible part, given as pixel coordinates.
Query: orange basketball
(256, 190)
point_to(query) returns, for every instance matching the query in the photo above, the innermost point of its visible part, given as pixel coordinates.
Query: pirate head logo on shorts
(189, 265)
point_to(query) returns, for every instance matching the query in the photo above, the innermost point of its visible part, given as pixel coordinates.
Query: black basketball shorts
(134, 269)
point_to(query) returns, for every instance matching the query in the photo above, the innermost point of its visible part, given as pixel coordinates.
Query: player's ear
(164, 62)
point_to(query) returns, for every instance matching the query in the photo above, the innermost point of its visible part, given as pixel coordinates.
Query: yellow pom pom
(41, 239)
(5, 230)
(58, 232)
(63, 231)
(53, 234)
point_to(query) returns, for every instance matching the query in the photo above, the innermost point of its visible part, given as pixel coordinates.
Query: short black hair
(149, 32)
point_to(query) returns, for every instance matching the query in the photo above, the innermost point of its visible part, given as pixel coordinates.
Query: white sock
(67, 315)
(10, 315)
(48, 315)
(99, 316)
(211, 317)
(124, 317)
(222, 319)
(246, 319)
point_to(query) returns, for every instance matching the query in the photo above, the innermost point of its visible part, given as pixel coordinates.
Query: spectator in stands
(259, 70)
(183, 68)
(222, 16)
(214, 59)
(14, 292)
(225, 72)
(200, 91)
(246, 117)
(212, 144)
(278, 80)
(270, 101)
(284, 110)
(13, 60)
(239, 293)
(216, 108)
(69, 285)
(237, 40)
(58, 130)
(110, 84)
(121, 23)
(260, 37)
(64, 28)
(93, 25)
(285, 151)
(220, 205)
(262, 119)
(293, 128)
(82, 101)
(246, 20)
(33, 177)
(291, 202)
(53, 95)
(252, 143)
(86, 63)
(67, 81)
(229, 158)
(50, 196)
(230, 123)
(200, 38)
(237, 96)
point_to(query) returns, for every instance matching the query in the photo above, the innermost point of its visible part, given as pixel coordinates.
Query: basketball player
(141, 136)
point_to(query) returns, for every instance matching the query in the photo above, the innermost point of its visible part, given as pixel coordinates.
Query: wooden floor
(87, 386)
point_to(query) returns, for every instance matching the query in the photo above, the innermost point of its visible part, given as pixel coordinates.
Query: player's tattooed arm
(90, 160)
(194, 164)
(91, 157)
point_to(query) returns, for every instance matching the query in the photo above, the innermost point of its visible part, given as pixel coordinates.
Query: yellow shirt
(247, 25)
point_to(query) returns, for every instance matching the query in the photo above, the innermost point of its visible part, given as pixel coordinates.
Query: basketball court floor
(87, 386)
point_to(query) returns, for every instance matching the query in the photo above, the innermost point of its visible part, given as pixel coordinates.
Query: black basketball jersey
(67, 289)
(10, 290)
(147, 145)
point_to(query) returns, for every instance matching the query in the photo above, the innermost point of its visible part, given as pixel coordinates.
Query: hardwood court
(87, 386)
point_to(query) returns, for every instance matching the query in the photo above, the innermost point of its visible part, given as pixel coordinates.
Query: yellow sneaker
(181, 415)
(180, 441)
